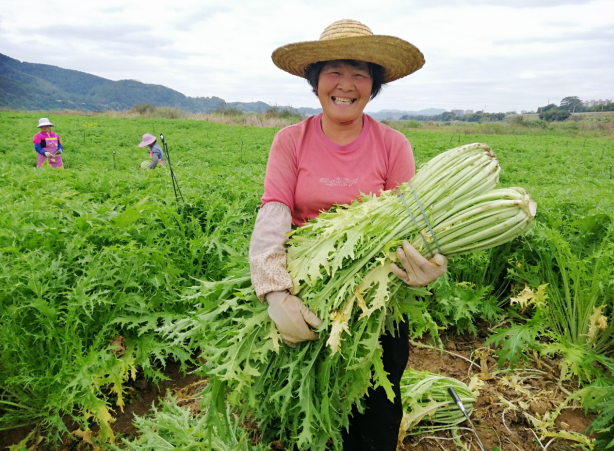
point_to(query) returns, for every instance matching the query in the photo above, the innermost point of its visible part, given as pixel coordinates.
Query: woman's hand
(48, 154)
(292, 317)
(419, 271)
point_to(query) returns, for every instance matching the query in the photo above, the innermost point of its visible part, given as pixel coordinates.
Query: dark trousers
(378, 428)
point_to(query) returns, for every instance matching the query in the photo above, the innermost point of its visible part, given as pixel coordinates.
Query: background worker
(155, 151)
(48, 146)
(332, 158)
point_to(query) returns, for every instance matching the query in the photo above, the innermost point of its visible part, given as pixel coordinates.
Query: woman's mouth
(343, 101)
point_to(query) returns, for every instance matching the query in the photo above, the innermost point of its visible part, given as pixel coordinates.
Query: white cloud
(512, 55)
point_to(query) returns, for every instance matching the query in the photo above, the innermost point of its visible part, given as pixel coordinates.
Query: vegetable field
(100, 262)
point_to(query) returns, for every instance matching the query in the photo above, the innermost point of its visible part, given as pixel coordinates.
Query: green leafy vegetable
(340, 265)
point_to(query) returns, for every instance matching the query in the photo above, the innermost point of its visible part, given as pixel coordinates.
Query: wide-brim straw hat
(44, 122)
(148, 139)
(352, 40)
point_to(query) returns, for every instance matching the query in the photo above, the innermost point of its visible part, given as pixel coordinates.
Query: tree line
(478, 116)
(569, 105)
(549, 113)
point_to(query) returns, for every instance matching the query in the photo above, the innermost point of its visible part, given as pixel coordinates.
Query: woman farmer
(155, 151)
(332, 158)
(48, 146)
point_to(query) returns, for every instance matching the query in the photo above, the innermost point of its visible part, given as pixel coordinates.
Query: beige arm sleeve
(267, 249)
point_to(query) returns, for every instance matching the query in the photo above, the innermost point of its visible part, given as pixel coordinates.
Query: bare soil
(502, 415)
(507, 401)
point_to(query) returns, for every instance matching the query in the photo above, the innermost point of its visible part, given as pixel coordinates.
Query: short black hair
(312, 74)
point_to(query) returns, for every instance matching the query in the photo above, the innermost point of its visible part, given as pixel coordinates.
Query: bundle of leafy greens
(340, 266)
(427, 404)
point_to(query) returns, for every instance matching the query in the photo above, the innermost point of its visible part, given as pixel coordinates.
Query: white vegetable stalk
(350, 250)
(427, 405)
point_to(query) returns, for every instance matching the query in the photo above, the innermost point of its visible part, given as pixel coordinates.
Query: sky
(491, 55)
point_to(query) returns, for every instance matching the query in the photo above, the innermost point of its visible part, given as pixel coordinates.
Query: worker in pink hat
(155, 151)
(47, 145)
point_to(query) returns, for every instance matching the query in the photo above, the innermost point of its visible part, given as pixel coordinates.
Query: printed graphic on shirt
(338, 181)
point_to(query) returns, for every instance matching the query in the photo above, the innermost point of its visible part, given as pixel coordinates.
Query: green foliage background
(102, 249)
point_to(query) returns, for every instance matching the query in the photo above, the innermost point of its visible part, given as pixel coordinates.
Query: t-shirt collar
(338, 147)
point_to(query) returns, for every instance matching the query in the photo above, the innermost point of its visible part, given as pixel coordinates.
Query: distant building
(589, 103)
(458, 112)
(523, 111)
(468, 111)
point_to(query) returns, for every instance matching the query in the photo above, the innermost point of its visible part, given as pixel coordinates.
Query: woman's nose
(346, 82)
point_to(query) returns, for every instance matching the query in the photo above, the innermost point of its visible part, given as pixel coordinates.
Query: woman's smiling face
(344, 90)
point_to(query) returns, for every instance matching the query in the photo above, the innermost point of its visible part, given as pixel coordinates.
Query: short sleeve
(402, 163)
(281, 172)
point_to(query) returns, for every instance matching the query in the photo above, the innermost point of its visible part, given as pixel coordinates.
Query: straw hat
(44, 122)
(148, 139)
(350, 39)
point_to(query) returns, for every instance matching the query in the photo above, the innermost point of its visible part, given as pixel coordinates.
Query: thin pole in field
(451, 138)
(584, 142)
(170, 168)
(114, 163)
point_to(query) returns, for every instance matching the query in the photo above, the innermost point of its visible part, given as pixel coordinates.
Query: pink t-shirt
(309, 173)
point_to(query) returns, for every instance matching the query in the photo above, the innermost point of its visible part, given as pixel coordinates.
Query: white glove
(48, 155)
(292, 317)
(419, 271)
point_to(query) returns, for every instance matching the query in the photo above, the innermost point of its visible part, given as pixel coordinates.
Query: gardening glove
(48, 155)
(59, 151)
(419, 271)
(292, 317)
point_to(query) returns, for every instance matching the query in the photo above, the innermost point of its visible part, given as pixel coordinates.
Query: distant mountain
(396, 114)
(308, 111)
(249, 107)
(30, 86)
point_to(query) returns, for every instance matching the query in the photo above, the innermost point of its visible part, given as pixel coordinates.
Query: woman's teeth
(343, 101)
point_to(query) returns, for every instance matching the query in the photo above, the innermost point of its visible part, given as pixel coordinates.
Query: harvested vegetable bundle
(427, 404)
(340, 266)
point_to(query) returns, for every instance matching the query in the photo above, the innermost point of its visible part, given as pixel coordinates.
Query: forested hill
(29, 86)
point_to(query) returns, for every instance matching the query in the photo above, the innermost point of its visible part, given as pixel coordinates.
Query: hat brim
(399, 58)
(146, 143)
(46, 125)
